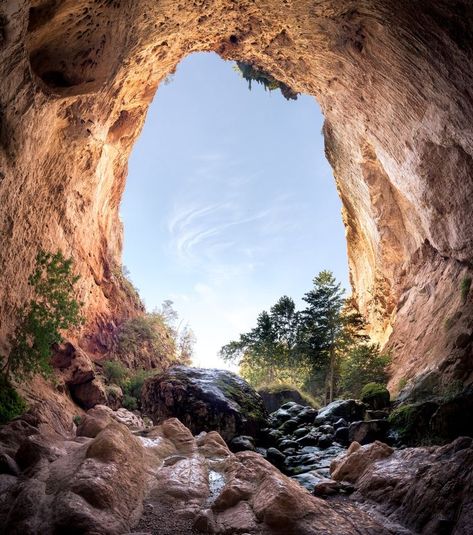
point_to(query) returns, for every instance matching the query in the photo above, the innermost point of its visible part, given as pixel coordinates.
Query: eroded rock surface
(205, 400)
(393, 81)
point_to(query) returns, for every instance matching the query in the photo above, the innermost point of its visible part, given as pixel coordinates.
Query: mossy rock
(205, 400)
(274, 396)
(376, 396)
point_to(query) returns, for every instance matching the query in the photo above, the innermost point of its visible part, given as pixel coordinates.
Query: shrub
(402, 383)
(375, 395)
(130, 403)
(465, 286)
(135, 383)
(11, 403)
(40, 322)
(77, 419)
(114, 372)
(147, 334)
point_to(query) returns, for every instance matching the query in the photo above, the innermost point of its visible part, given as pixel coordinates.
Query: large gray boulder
(205, 400)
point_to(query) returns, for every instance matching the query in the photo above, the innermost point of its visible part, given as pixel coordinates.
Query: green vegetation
(11, 403)
(114, 372)
(252, 73)
(402, 383)
(465, 288)
(77, 419)
(274, 388)
(376, 395)
(130, 403)
(52, 309)
(122, 275)
(402, 420)
(321, 349)
(362, 365)
(40, 322)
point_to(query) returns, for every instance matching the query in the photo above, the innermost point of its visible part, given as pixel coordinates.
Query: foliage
(254, 74)
(77, 419)
(11, 403)
(114, 372)
(465, 288)
(135, 383)
(146, 334)
(361, 365)
(402, 420)
(402, 383)
(122, 274)
(274, 388)
(315, 348)
(129, 402)
(40, 322)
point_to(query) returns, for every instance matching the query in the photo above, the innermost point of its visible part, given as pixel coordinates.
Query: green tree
(322, 327)
(362, 364)
(41, 321)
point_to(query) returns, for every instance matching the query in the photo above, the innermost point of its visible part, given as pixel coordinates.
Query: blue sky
(229, 202)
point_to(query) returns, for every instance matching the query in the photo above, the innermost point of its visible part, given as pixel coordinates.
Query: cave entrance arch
(393, 82)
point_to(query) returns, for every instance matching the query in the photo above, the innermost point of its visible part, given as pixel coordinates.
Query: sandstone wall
(393, 78)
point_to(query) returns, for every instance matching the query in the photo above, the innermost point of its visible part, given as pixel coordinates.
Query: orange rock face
(394, 82)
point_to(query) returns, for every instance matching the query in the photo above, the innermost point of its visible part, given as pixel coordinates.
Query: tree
(362, 364)
(185, 345)
(41, 321)
(322, 327)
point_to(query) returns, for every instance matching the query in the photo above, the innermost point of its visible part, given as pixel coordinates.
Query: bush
(147, 334)
(130, 403)
(115, 372)
(40, 322)
(11, 403)
(135, 383)
(375, 395)
(77, 419)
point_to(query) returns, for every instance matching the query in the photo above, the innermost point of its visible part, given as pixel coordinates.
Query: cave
(394, 82)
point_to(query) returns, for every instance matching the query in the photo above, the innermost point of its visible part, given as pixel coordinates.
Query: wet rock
(325, 441)
(275, 457)
(242, 443)
(376, 415)
(311, 439)
(289, 426)
(308, 480)
(89, 394)
(329, 487)
(341, 436)
(301, 431)
(352, 464)
(340, 423)
(205, 400)
(368, 431)
(453, 417)
(427, 489)
(349, 409)
(287, 443)
(274, 399)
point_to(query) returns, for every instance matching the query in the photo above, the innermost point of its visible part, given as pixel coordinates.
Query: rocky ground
(117, 473)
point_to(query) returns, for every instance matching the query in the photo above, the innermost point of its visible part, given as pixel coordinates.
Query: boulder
(205, 400)
(275, 457)
(350, 410)
(376, 396)
(114, 396)
(75, 365)
(274, 398)
(368, 431)
(242, 443)
(341, 436)
(87, 395)
(352, 464)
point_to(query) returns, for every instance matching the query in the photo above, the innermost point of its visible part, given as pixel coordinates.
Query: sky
(229, 203)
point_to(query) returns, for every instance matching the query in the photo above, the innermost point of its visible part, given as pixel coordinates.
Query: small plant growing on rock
(11, 403)
(251, 73)
(465, 288)
(77, 419)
